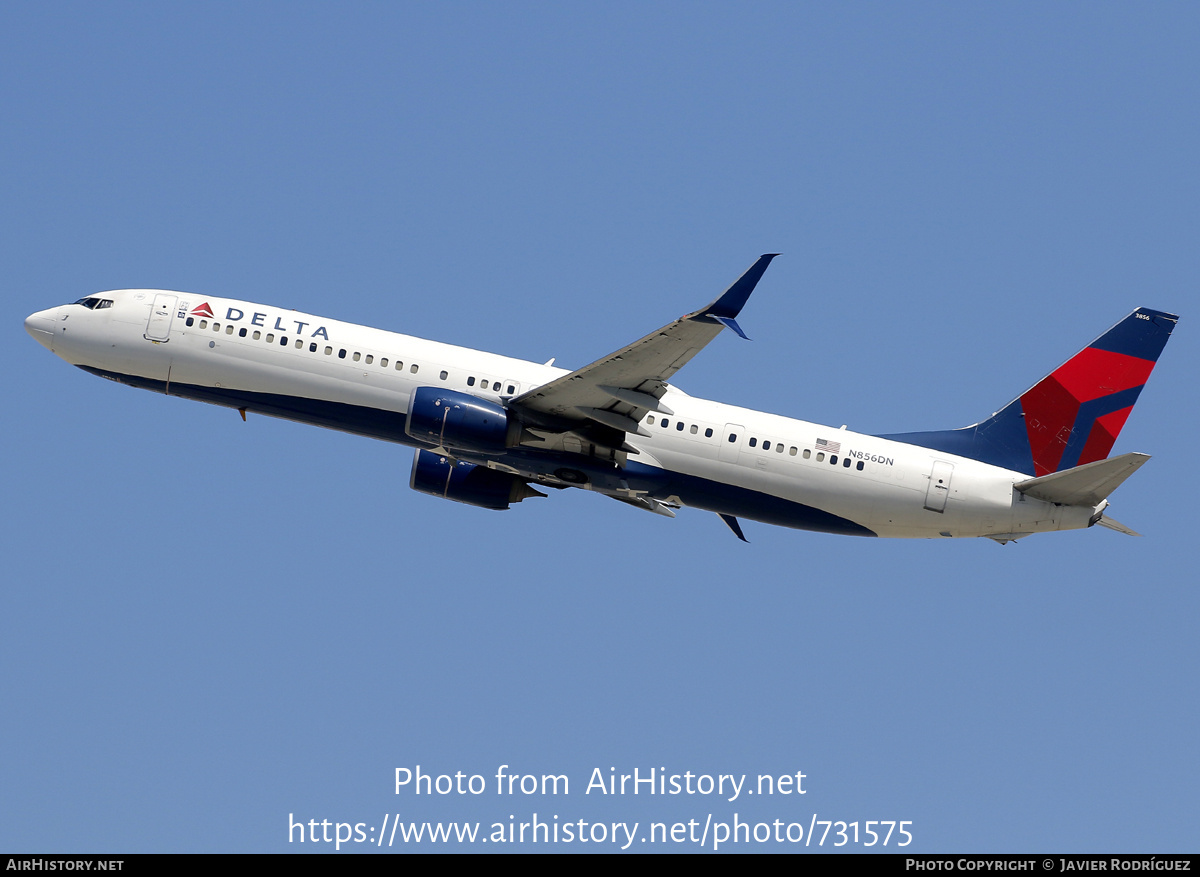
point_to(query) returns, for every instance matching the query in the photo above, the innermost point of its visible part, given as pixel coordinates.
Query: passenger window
(357, 356)
(732, 437)
(833, 459)
(496, 387)
(383, 362)
(414, 368)
(191, 321)
(328, 351)
(229, 329)
(283, 341)
(312, 348)
(792, 451)
(708, 433)
(665, 423)
(341, 353)
(444, 374)
(216, 327)
(695, 429)
(512, 389)
(270, 337)
(846, 463)
(204, 324)
(679, 426)
(859, 465)
(241, 333)
(471, 381)
(300, 344)
(754, 443)
(820, 456)
(779, 448)
(766, 446)
(370, 359)
(257, 334)
(807, 453)
(399, 365)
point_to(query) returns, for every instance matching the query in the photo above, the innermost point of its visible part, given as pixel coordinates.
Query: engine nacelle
(465, 482)
(450, 419)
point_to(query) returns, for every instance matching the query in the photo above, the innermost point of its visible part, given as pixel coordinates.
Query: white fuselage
(706, 454)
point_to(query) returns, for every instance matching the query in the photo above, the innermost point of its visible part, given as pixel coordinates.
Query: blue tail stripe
(1088, 413)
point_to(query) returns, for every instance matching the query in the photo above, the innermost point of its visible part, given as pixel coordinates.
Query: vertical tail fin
(1074, 414)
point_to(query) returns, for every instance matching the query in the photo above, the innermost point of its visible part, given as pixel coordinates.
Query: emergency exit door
(939, 486)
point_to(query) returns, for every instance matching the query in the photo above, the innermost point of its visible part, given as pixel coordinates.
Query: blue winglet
(730, 302)
(731, 323)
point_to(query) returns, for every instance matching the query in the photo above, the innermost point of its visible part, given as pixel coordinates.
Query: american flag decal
(831, 447)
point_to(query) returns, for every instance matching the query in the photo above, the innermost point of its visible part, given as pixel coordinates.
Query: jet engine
(437, 475)
(450, 419)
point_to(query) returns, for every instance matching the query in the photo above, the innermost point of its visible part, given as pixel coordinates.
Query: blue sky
(210, 625)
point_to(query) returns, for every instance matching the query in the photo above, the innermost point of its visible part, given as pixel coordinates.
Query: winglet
(731, 323)
(730, 303)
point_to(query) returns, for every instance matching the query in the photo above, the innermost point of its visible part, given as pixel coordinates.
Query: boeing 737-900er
(488, 428)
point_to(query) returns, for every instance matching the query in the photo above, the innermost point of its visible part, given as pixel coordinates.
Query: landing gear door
(159, 325)
(939, 486)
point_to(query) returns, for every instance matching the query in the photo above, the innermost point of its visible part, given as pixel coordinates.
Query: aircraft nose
(41, 327)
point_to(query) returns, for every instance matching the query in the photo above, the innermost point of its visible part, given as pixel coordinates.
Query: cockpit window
(92, 303)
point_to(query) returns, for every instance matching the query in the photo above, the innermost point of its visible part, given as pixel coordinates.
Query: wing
(617, 391)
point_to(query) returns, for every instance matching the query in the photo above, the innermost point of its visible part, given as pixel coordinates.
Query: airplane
(489, 430)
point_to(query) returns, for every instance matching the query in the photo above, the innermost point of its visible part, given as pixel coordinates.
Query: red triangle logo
(202, 311)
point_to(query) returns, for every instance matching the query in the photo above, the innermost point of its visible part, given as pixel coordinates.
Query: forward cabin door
(939, 486)
(159, 325)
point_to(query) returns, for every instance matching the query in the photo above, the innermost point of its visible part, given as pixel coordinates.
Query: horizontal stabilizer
(1106, 521)
(1084, 485)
